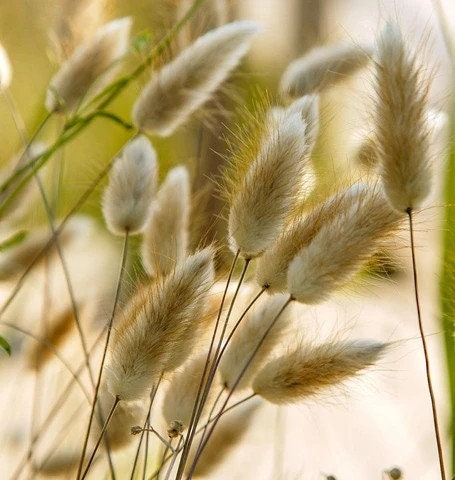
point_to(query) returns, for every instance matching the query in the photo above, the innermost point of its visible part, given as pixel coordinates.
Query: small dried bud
(136, 430)
(175, 429)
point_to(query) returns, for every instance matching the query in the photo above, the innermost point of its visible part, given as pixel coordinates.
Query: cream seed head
(323, 67)
(153, 325)
(128, 197)
(186, 83)
(165, 237)
(87, 64)
(401, 126)
(342, 245)
(308, 371)
(274, 182)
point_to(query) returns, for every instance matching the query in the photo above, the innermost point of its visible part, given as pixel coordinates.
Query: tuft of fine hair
(342, 245)
(245, 340)
(187, 82)
(402, 129)
(154, 324)
(127, 199)
(323, 67)
(308, 371)
(88, 63)
(6, 72)
(275, 180)
(165, 237)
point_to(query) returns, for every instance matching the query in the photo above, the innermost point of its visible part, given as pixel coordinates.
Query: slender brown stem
(231, 392)
(425, 351)
(194, 415)
(95, 449)
(106, 344)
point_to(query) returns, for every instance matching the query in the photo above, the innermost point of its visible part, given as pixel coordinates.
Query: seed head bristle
(323, 67)
(308, 371)
(186, 83)
(402, 131)
(165, 237)
(127, 200)
(88, 63)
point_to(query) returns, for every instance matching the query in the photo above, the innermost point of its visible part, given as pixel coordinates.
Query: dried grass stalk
(165, 238)
(402, 131)
(132, 183)
(275, 180)
(88, 64)
(185, 84)
(308, 371)
(154, 324)
(323, 67)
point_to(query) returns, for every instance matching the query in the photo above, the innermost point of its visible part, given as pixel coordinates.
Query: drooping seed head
(342, 245)
(89, 63)
(128, 197)
(186, 83)
(308, 371)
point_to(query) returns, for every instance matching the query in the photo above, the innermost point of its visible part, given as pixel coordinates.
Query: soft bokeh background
(375, 423)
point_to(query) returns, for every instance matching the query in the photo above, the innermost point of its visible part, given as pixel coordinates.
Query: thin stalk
(193, 424)
(212, 410)
(95, 449)
(152, 399)
(425, 351)
(201, 429)
(163, 457)
(174, 458)
(212, 370)
(17, 117)
(231, 392)
(106, 344)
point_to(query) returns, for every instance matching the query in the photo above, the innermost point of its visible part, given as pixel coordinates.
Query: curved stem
(425, 351)
(106, 344)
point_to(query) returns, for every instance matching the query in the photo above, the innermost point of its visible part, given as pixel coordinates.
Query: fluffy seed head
(245, 339)
(342, 245)
(401, 122)
(153, 325)
(5, 69)
(186, 83)
(132, 182)
(308, 371)
(165, 237)
(88, 62)
(274, 181)
(323, 67)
